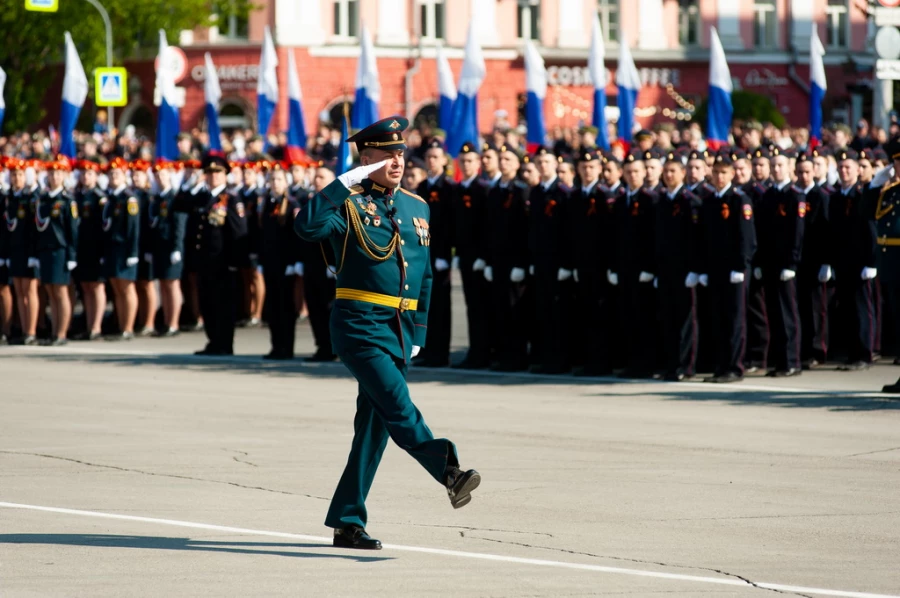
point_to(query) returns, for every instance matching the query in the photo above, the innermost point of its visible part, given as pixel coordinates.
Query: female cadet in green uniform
(378, 323)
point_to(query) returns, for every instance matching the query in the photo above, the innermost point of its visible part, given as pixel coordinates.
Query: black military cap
(386, 133)
(643, 134)
(468, 148)
(588, 156)
(879, 154)
(214, 163)
(846, 153)
(434, 143)
(676, 157)
(867, 154)
(787, 153)
(804, 157)
(415, 162)
(654, 153)
(892, 148)
(488, 146)
(760, 152)
(511, 149)
(541, 151)
(565, 159)
(697, 155)
(822, 150)
(724, 158)
(634, 156)
(738, 154)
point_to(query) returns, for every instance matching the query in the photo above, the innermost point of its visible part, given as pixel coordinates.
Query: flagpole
(109, 54)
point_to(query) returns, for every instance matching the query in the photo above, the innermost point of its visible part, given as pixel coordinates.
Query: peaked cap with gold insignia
(385, 134)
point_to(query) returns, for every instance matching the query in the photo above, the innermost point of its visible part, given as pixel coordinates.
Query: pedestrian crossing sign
(42, 5)
(111, 86)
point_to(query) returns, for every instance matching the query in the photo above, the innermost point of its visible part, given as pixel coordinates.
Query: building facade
(766, 41)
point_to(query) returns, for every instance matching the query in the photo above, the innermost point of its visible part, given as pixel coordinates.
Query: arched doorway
(141, 118)
(234, 114)
(336, 111)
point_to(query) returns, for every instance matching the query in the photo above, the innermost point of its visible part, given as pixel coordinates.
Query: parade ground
(138, 469)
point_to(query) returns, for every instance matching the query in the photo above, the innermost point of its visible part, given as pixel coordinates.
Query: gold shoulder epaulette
(413, 195)
(356, 189)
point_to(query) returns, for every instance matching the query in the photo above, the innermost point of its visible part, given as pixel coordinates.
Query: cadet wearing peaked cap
(384, 281)
(91, 200)
(884, 193)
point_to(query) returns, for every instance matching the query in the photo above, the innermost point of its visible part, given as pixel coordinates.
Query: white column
(571, 24)
(652, 35)
(801, 24)
(729, 26)
(299, 23)
(393, 28)
(485, 14)
(883, 102)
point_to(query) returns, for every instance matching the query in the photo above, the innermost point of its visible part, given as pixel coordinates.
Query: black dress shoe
(788, 373)
(320, 356)
(893, 389)
(674, 376)
(856, 366)
(725, 378)
(356, 537)
(460, 485)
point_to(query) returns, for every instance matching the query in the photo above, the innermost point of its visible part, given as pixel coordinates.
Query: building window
(765, 22)
(837, 24)
(431, 19)
(529, 23)
(608, 10)
(233, 23)
(346, 18)
(688, 22)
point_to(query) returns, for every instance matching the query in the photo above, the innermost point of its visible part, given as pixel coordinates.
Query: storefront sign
(764, 78)
(580, 76)
(231, 76)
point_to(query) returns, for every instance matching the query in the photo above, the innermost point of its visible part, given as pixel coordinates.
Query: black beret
(434, 143)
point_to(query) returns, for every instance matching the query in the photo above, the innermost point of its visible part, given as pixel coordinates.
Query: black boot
(356, 537)
(460, 485)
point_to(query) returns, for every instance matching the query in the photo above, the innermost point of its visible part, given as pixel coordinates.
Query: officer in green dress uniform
(380, 236)
(885, 186)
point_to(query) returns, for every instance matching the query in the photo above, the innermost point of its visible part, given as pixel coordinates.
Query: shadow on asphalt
(164, 543)
(735, 394)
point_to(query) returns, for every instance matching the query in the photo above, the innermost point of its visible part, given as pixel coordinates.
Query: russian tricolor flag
(446, 89)
(719, 109)
(598, 76)
(536, 91)
(75, 89)
(267, 86)
(2, 101)
(212, 93)
(168, 125)
(464, 122)
(368, 87)
(817, 87)
(345, 157)
(296, 135)
(628, 82)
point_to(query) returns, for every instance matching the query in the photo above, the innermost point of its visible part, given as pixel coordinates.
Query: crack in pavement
(244, 453)
(163, 475)
(465, 528)
(643, 562)
(887, 450)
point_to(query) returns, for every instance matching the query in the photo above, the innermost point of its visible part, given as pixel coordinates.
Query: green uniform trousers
(383, 408)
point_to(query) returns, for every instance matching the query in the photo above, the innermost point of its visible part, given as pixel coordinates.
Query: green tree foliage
(33, 46)
(747, 106)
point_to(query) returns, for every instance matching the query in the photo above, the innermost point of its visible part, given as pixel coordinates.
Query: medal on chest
(422, 231)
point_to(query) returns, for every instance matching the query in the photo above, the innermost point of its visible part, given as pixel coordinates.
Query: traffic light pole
(111, 121)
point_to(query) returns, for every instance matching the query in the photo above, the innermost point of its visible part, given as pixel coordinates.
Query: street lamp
(109, 53)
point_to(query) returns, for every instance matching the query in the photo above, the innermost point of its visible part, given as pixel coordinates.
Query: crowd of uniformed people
(647, 263)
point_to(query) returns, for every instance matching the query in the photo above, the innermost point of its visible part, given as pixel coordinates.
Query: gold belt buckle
(404, 304)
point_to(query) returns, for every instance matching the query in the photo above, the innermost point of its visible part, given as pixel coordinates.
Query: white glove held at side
(757, 273)
(645, 277)
(132, 261)
(703, 279)
(517, 275)
(612, 277)
(825, 273)
(691, 280)
(298, 268)
(441, 265)
(415, 350)
(478, 265)
(71, 266)
(737, 277)
(868, 273)
(563, 274)
(289, 271)
(33, 262)
(489, 274)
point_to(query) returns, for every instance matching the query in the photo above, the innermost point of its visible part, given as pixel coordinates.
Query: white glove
(691, 280)
(703, 279)
(289, 271)
(254, 256)
(132, 261)
(737, 277)
(489, 274)
(882, 176)
(645, 277)
(787, 275)
(454, 263)
(259, 269)
(329, 272)
(757, 273)
(148, 257)
(441, 265)
(3, 263)
(575, 275)
(415, 350)
(33, 262)
(563, 274)
(478, 265)
(531, 270)
(612, 277)
(825, 273)
(71, 266)
(175, 257)
(869, 273)
(359, 174)
(517, 274)
(298, 268)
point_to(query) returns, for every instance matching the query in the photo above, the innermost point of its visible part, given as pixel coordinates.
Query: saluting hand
(359, 174)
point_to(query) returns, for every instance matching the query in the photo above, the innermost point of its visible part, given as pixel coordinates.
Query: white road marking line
(585, 381)
(461, 554)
